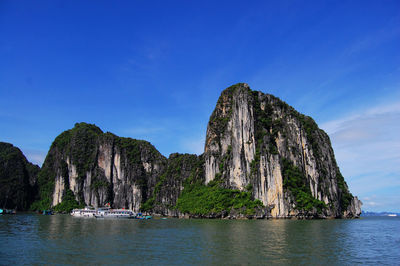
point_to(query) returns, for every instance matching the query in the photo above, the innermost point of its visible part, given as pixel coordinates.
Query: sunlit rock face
(253, 139)
(101, 168)
(255, 142)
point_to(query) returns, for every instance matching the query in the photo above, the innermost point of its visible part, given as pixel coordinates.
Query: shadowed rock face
(256, 139)
(17, 178)
(255, 142)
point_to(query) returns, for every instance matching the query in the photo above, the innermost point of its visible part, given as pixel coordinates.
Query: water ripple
(62, 239)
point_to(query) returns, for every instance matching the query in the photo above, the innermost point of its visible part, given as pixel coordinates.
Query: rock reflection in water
(62, 239)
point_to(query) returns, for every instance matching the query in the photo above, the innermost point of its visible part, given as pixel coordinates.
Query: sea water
(63, 239)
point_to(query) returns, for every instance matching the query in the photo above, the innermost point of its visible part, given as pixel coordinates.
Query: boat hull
(113, 217)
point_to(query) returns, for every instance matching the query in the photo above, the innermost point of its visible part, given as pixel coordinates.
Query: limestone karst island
(262, 159)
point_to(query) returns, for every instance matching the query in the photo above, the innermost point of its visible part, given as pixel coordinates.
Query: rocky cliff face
(255, 139)
(180, 170)
(18, 178)
(261, 158)
(100, 168)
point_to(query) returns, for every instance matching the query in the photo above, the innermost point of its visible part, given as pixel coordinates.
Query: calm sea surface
(62, 239)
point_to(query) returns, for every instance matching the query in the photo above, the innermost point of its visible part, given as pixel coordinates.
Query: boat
(85, 212)
(115, 213)
(392, 215)
(8, 211)
(140, 216)
(47, 212)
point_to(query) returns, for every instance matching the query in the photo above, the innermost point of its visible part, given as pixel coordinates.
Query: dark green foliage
(295, 182)
(346, 196)
(68, 203)
(17, 178)
(178, 166)
(131, 148)
(83, 148)
(149, 204)
(99, 184)
(80, 143)
(249, 187)
(46, 187)
(45, 181)
(199, 199)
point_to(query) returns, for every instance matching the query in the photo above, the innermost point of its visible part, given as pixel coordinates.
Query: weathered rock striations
(261, 158)
(100, 168)
(256, 139)
(18, 178)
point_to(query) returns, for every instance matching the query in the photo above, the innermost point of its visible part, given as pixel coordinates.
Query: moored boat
(8, 211)
(140, 216)
(115, 213)
(85, 212)
(47, 212)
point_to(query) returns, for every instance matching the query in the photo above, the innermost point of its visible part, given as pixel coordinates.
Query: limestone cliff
(261, 158)
(180, 170)
(255, 139)
(99, 168)
(18, 186)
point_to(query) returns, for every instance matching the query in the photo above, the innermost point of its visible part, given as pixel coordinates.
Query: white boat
(114, 213)
(86, 212)
(392, 215)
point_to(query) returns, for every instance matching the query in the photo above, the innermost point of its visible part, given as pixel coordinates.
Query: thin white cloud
(381, 203)
(367, 148)
(193, 145)
(35, 156)
(373, 39)
(339, 124)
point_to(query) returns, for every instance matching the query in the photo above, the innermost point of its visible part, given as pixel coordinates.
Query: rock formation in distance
(18, 186)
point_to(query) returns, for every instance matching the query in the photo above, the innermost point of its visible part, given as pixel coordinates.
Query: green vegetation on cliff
(177, 183)
(222, 114)
(346, 196)
(68, 203)
(200, 199)
(295, 181)
(179, 167)
(266, 130)
(46, 187)
(17, 178)
(79, 146)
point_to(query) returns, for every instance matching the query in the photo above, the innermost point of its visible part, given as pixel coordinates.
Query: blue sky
(154, 70)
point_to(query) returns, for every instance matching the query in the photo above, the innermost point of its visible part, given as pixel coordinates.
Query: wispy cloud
(193, 145)
(373, 39)
(370, 114)
(367, 148)
(35, 156)
(381, 203)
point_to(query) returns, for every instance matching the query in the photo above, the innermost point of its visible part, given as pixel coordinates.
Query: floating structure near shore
(107, 212)
(7, 211)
